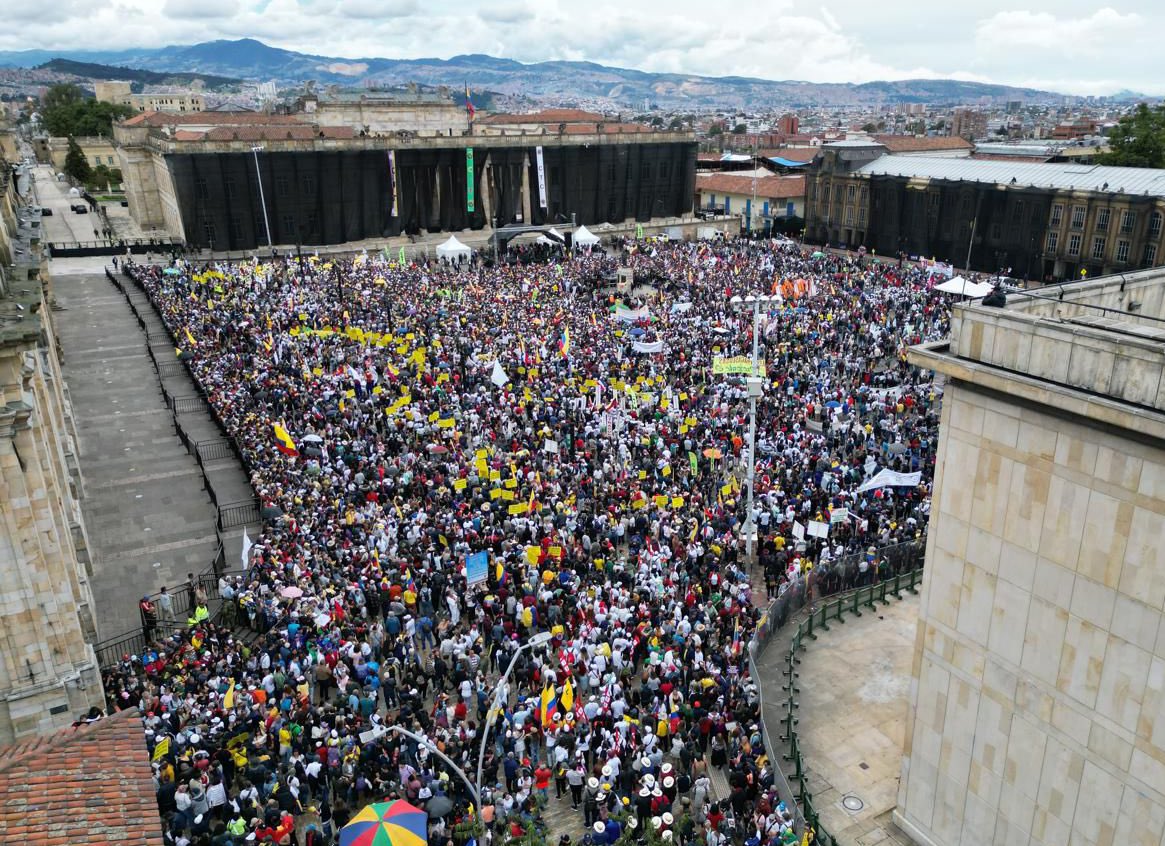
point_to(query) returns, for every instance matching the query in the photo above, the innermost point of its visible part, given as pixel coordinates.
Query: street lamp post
(432, 747)
(755, 384)
(535, 640)
(495, 238)
(262, 199)
(475, 785)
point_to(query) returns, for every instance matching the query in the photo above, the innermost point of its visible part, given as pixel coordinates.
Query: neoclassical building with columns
(48, 670)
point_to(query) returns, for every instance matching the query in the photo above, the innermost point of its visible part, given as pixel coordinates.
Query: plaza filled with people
(533, 471)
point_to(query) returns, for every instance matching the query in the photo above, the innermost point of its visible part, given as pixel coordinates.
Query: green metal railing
(820, 619)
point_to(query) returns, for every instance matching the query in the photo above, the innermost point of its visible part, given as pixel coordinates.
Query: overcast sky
(1073, 46)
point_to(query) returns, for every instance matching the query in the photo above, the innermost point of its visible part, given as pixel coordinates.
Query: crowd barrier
(894, 569)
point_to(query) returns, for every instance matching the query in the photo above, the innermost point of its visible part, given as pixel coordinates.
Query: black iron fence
(891, 570)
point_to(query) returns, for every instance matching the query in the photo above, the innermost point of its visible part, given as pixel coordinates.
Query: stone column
(525, 192)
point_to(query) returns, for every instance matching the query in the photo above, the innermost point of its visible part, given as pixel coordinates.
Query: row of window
(1128, 219)
(1099, 244)
(97, 160)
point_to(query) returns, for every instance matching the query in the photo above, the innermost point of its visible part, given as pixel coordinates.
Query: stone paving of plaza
(854, 694)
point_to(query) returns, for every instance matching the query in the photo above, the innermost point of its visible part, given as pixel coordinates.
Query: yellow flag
(228, 698)
(161, 749)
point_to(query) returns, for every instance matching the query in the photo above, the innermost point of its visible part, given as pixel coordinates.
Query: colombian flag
(469, 103)
(567, 698)
(564, 346)
(283, 440)
(549, 705)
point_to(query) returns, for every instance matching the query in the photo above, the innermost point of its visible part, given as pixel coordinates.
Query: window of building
(849, 215)
(862, 216)
(1078, 217)
(1150, 255)
(201, 191)
(865, 195)
(281, 186)
(289, 226)
(1128, 220)
(1154, 224)
(1122, 251)
(1057, 214)
(236, 227)
(208, 230)
(1098, 248)
(1053, 241)
(1102, 216)
(1073, 245)
(309, 184)
(109, 160)
(231, 188)
(996, 231)
(851, 192)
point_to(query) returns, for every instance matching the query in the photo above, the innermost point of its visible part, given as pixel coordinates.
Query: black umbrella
(438, 806)
(271, 512)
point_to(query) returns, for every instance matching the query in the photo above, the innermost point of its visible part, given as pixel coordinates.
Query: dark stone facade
(335, 196)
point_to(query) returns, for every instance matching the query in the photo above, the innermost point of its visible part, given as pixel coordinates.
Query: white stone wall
(1039, 696)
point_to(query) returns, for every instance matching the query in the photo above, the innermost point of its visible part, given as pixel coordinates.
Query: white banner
(890, 479)
(541, 177)
(641, 347)
(392, 177)
(630, 315)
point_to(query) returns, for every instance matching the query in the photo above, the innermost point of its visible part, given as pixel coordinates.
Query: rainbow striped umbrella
(387, 824)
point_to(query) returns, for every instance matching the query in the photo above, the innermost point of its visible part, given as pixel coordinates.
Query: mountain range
(563, 81)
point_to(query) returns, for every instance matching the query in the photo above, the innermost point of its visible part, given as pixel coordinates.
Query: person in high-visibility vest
(201, 614)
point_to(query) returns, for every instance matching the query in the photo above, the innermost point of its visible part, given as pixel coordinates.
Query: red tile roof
(793, 154)
(923, 144)
(546, 116)
(89, 786)
(767, 187)
(209, 119)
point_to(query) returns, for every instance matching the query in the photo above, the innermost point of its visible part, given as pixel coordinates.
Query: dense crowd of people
(454, 460)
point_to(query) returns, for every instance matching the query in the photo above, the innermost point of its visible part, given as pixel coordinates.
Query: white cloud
(200, 9)
(1065, 45)
(1103, 30)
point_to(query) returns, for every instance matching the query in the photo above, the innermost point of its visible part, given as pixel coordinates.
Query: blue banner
(477, 567)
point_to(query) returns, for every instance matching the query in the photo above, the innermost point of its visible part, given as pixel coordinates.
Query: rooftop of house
(88, 785)
(766, 187)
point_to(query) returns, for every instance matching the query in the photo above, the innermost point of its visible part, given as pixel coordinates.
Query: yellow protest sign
(447, 423)
(555, 551)
(434, 416)
(495, 493)
(726, 489)
(494, 475)
(638, 503)
(677, 502)
(460, 484)
(533, 553)
(508, 496)
(642, 474)
(660, 500)
(511, 483)
(518, 508)
(666, 470)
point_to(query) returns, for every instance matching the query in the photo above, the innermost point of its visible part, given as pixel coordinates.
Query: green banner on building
(469, 179)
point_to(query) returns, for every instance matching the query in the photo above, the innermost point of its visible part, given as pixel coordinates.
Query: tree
(715, 129)
(76, 165)
(869, 127)
(66, 112)
(740, 129)
(1138, 140)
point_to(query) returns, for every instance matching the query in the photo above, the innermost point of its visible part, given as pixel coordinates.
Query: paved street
(149, 520)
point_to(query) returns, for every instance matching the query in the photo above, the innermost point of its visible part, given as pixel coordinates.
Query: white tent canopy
(584, 238)
(453, 249)
(553, 238)
(959, 285)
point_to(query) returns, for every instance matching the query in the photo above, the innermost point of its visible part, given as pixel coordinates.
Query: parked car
(80, 208)
(46, 212)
